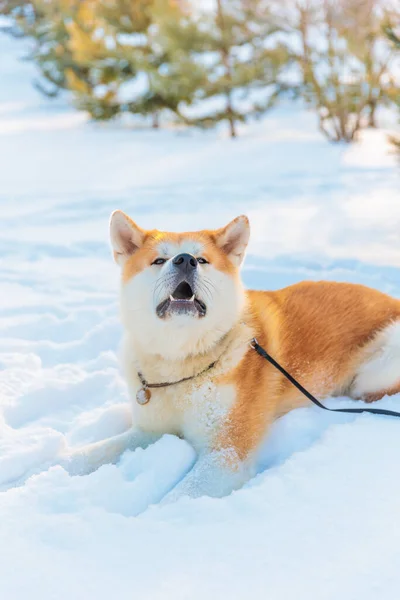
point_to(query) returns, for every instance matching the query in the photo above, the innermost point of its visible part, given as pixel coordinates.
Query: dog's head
(181, 292)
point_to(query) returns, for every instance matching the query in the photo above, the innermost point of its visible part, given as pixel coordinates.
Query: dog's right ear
(126, 237)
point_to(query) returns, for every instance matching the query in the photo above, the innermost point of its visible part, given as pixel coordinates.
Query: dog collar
(144, 394)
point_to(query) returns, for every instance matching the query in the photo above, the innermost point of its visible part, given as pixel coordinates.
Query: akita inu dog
(190, 370)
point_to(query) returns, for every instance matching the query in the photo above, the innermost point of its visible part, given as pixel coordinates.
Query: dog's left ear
(233, 239)
(126, 237)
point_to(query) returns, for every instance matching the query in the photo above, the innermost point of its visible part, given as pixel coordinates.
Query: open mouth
(182, 301)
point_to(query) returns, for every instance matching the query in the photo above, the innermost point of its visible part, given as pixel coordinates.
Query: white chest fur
(193, 410)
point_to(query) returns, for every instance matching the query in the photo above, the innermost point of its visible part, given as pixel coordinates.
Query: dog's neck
(156, 368)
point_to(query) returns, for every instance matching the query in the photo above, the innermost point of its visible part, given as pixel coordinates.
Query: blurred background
(202, 62)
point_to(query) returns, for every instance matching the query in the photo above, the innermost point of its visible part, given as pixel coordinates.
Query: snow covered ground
(322, 519)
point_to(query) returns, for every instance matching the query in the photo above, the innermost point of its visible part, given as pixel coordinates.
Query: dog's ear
(233, 239)
(126, 237)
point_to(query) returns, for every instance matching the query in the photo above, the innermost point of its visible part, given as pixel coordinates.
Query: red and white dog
(186, 316)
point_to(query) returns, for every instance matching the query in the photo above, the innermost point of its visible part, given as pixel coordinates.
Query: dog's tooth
(171, 298)
(192, 298)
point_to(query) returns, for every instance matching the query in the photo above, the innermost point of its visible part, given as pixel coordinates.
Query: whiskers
(164, 281)
(206, 287)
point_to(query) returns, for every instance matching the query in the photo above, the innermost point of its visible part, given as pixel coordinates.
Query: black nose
(185, 262)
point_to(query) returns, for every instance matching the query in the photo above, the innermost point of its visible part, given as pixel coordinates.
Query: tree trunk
(231, 120)
(225, 61)
(371, 115)
(155, 120)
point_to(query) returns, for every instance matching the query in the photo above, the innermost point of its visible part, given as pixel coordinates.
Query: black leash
(375, 411)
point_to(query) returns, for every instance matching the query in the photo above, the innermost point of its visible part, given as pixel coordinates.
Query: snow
(320, 520)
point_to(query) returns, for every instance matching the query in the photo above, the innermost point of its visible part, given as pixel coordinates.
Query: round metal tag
(143, 395)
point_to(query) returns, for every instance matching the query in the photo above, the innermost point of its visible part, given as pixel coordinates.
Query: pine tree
(128, 61)
(361, 23)
(241, 61)
(53, 53)
(15, 8)
(20, 12)
(109, 53)
(394, 38)
(97, 69)
(173, 73)
(345, 64)
(46, 23)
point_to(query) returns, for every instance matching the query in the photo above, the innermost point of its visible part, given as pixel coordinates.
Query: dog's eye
(159, 261)
(202, 261)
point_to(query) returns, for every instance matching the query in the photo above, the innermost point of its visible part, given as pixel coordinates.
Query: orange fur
(144, 256)
(374, 397)
(319, 331)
